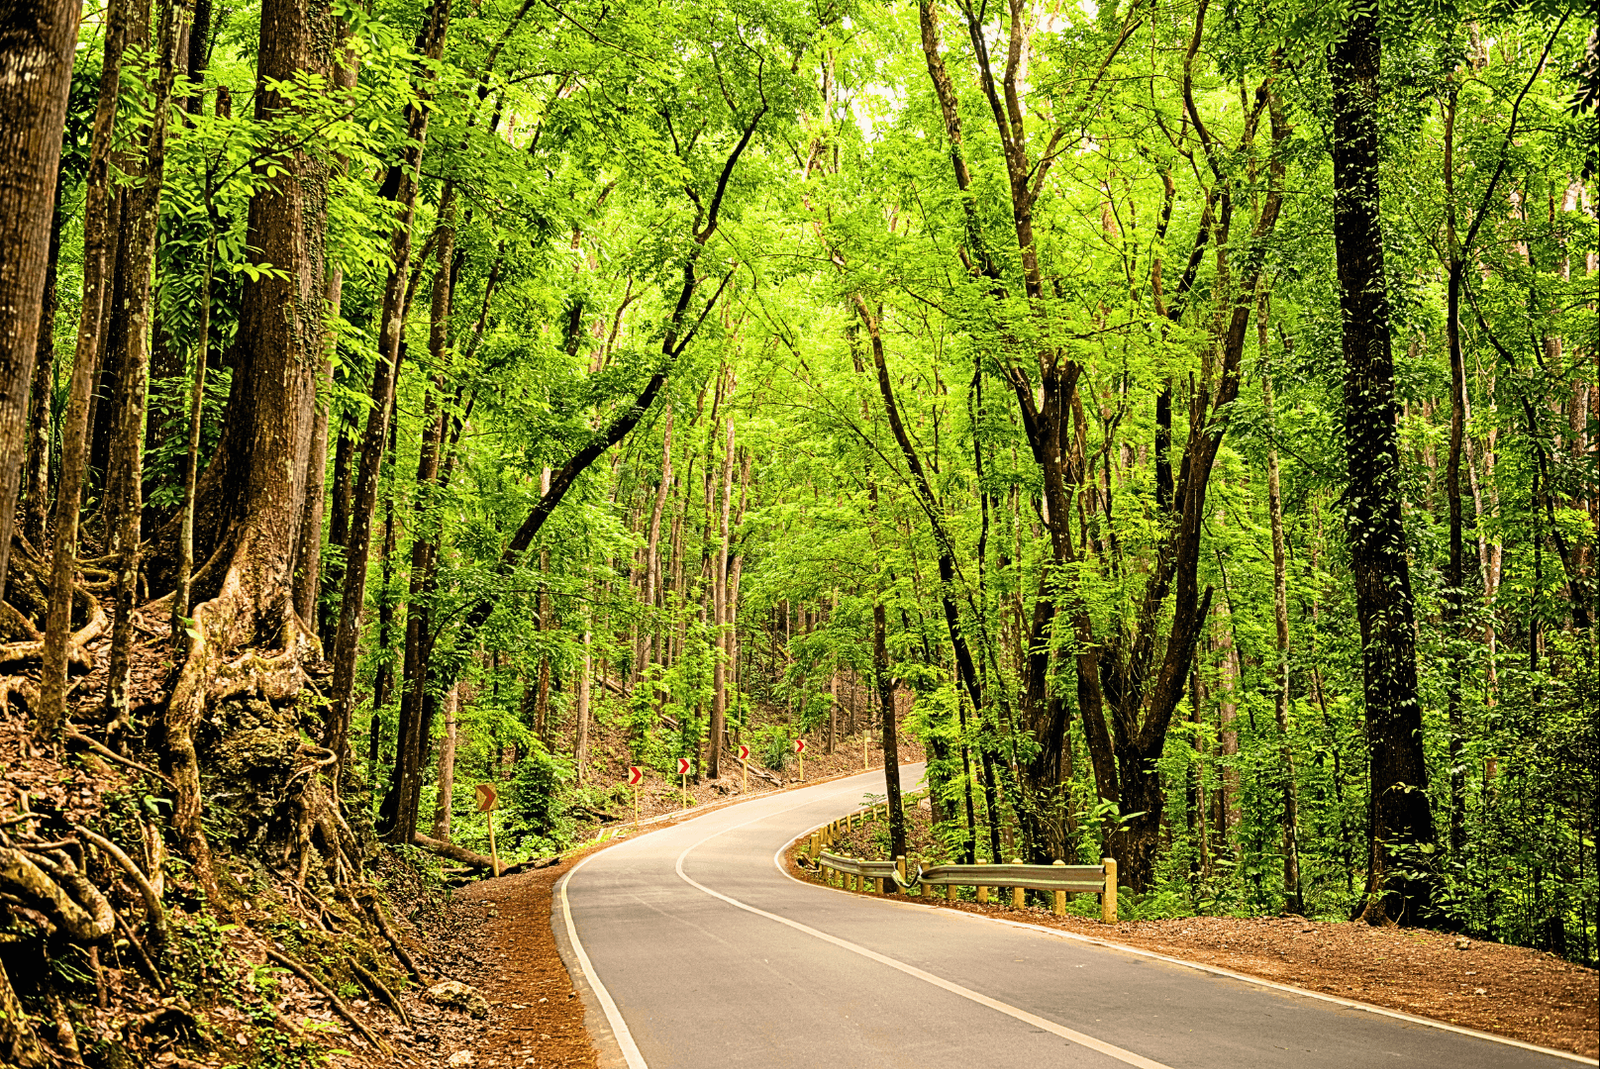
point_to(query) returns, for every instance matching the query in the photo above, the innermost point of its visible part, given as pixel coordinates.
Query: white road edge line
(777, 860)
(619, 1027)
(1127, 1057)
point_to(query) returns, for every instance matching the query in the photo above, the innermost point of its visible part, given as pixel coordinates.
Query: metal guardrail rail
(1062, 879)
(1056, 877)
(879, 872)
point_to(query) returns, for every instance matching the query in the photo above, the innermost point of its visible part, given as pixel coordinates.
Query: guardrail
(854, 874)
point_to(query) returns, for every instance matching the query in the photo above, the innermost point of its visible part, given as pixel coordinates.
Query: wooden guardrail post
(983, 891)
(900, 867)
(1061, 896)
(877, 884)
(949, 892)
(1108, 899)
(1018, 895)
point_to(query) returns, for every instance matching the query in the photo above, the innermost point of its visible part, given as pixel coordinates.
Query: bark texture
(36, 43)
(1400, 818)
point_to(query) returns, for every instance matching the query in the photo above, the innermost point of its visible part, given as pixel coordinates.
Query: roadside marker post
(1061, 896)
(865, 766)
(800, 748)
(635, 777)
(744, 765)
(683, 780)
(487, 797)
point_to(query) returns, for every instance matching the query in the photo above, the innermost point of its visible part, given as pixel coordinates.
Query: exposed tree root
(109, 754)
(31, 651)
(369, 898)
(17, 687)
(250, 605)
(57, 889)
(371, 982)
(66, 1035)
(15, 627)
(326, 992)
(157, 916)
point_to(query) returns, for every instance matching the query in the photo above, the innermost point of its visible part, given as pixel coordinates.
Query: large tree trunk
(308, 555)
(37, 38)
(1401, 820)
(249, 502)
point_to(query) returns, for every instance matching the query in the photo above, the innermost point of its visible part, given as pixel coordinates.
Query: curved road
(693, 949)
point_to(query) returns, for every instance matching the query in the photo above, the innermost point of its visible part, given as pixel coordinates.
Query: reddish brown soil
(536, 1017)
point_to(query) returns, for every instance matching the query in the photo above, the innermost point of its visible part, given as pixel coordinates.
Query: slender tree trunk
(1401, 819)
(1294, 900)
(403, 180)
(37, 38)
(1227, 731)
(891, 749)
(85, 366)
(36, 484)
(130, 329)
(652, 554)
(580, 743)
(383, 675)
(719, 579)
(735, 679)
(182, 598)
(833, 710)
(447, 767)
(545, 624)
(338, 518)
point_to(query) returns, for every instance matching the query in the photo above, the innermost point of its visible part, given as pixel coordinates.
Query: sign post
(800, 748)
(635, 776)
(744, 765)
(683, 780)
(487, 797)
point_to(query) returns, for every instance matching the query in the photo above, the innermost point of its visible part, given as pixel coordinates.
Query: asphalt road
(694, 949)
